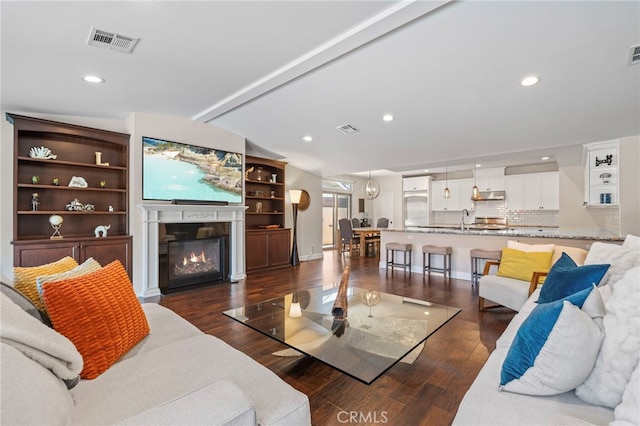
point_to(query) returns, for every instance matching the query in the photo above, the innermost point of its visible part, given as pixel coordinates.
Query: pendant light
(447, 192)
(475, 193)
(371, 188)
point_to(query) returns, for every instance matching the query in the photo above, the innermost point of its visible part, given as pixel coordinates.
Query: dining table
(363, 233)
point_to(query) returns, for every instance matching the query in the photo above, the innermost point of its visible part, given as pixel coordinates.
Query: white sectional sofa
(175, 375)
(615, 374)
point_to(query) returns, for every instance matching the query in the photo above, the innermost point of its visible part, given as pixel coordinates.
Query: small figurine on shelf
(34, 201)
(55, 181)
(103, 184)
(101, 230)
(56, 222)
(75, 205)
(259, 174)
(35, 180)
(110, 208)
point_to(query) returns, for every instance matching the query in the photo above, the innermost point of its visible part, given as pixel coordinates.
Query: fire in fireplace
(185, 261)
(192, 254)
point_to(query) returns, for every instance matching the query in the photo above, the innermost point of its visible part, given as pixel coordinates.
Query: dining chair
(355, 222)
(348, 241)
(383, 222)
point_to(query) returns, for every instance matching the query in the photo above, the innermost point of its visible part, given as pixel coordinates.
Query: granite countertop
(515, 231)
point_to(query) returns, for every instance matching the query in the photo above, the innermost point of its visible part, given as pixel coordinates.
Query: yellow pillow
(99, 313)
(521, 265)
(24, 278)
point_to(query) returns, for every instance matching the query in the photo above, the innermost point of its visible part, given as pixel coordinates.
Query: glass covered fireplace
(192, 254)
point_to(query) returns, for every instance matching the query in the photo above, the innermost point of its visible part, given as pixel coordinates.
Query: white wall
(630, 187)
(176, 129)
(309, 227)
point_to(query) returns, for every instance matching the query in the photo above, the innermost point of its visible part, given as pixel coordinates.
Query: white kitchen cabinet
(416, 183)
(461, 190)
(602, 174)
(534, 191)
(495, 183)
(550, 197)
(438, 202)
(460, 199)
(514, 189)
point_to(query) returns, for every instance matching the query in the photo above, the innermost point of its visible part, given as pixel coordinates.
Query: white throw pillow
(620, 349)
(88, 266)
(528, 248)
(628, 411)
(619, 257)
(632, 242)
(556, 346)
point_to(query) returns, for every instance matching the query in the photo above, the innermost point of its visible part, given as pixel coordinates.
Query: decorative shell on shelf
(42, 152)
(78, 181)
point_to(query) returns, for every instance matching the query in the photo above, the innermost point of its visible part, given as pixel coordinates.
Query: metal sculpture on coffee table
(339, 309)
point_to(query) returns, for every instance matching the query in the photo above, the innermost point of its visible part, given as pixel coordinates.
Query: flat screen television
(179, 172)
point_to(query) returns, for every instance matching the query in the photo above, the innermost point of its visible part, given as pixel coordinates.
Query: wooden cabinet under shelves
(41, 189)
(268, 248)
(103, 250)
(267, 241)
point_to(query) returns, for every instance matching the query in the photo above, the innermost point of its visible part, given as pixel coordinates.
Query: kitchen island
(487, 239)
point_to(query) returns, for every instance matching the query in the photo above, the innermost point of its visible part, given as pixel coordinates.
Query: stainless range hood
(491, 196)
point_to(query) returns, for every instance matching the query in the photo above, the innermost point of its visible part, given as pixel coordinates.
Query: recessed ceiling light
(426, 170)
(93, 79)
(307, 138)
(387, 117)
(529, 81)
(545, 158)
(478, 165)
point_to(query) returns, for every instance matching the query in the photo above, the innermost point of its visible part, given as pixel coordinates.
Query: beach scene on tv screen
(177, 171)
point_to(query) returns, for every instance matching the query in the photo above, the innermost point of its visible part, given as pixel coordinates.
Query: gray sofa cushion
(220, 403)
(168, 372)
(483, 404)
(165, 327)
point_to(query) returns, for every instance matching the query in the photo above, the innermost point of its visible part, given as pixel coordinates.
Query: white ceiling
(274, 72)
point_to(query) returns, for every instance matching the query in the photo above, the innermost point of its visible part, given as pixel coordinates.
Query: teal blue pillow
(566, 278)
(556, 347)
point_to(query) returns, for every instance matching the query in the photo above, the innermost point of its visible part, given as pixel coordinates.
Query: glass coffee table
(381, 328)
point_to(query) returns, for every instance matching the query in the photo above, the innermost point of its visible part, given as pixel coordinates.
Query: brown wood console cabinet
(48, 156)
(268, 243)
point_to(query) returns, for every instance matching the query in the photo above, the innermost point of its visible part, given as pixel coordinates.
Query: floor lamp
(295, 200)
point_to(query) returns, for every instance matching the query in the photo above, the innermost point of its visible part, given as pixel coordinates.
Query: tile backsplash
(547, 218)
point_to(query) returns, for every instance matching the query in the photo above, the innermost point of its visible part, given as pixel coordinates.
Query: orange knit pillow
(99, 313)
(24, 277)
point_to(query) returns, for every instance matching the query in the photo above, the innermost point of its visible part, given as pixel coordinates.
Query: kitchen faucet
(462, 221)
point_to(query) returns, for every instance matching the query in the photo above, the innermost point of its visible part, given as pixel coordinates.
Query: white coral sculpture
(42, 152)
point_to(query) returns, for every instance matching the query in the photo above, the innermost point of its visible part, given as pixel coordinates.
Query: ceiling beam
(380, 24)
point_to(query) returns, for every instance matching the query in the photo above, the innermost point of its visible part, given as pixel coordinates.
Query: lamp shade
(295, 195)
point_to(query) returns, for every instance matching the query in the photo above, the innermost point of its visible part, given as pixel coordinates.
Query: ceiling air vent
(108, 40)
(347, 129)
(634, 55)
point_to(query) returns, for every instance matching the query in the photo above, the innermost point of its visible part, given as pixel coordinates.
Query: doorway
(335, 206)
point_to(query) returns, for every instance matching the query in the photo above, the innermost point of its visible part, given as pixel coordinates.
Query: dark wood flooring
(426, 392)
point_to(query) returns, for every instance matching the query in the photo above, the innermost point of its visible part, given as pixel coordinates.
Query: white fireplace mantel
(182, 213)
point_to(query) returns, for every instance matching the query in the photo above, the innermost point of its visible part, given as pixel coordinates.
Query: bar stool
(479, 255)
(405, 249)
(427, 251)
